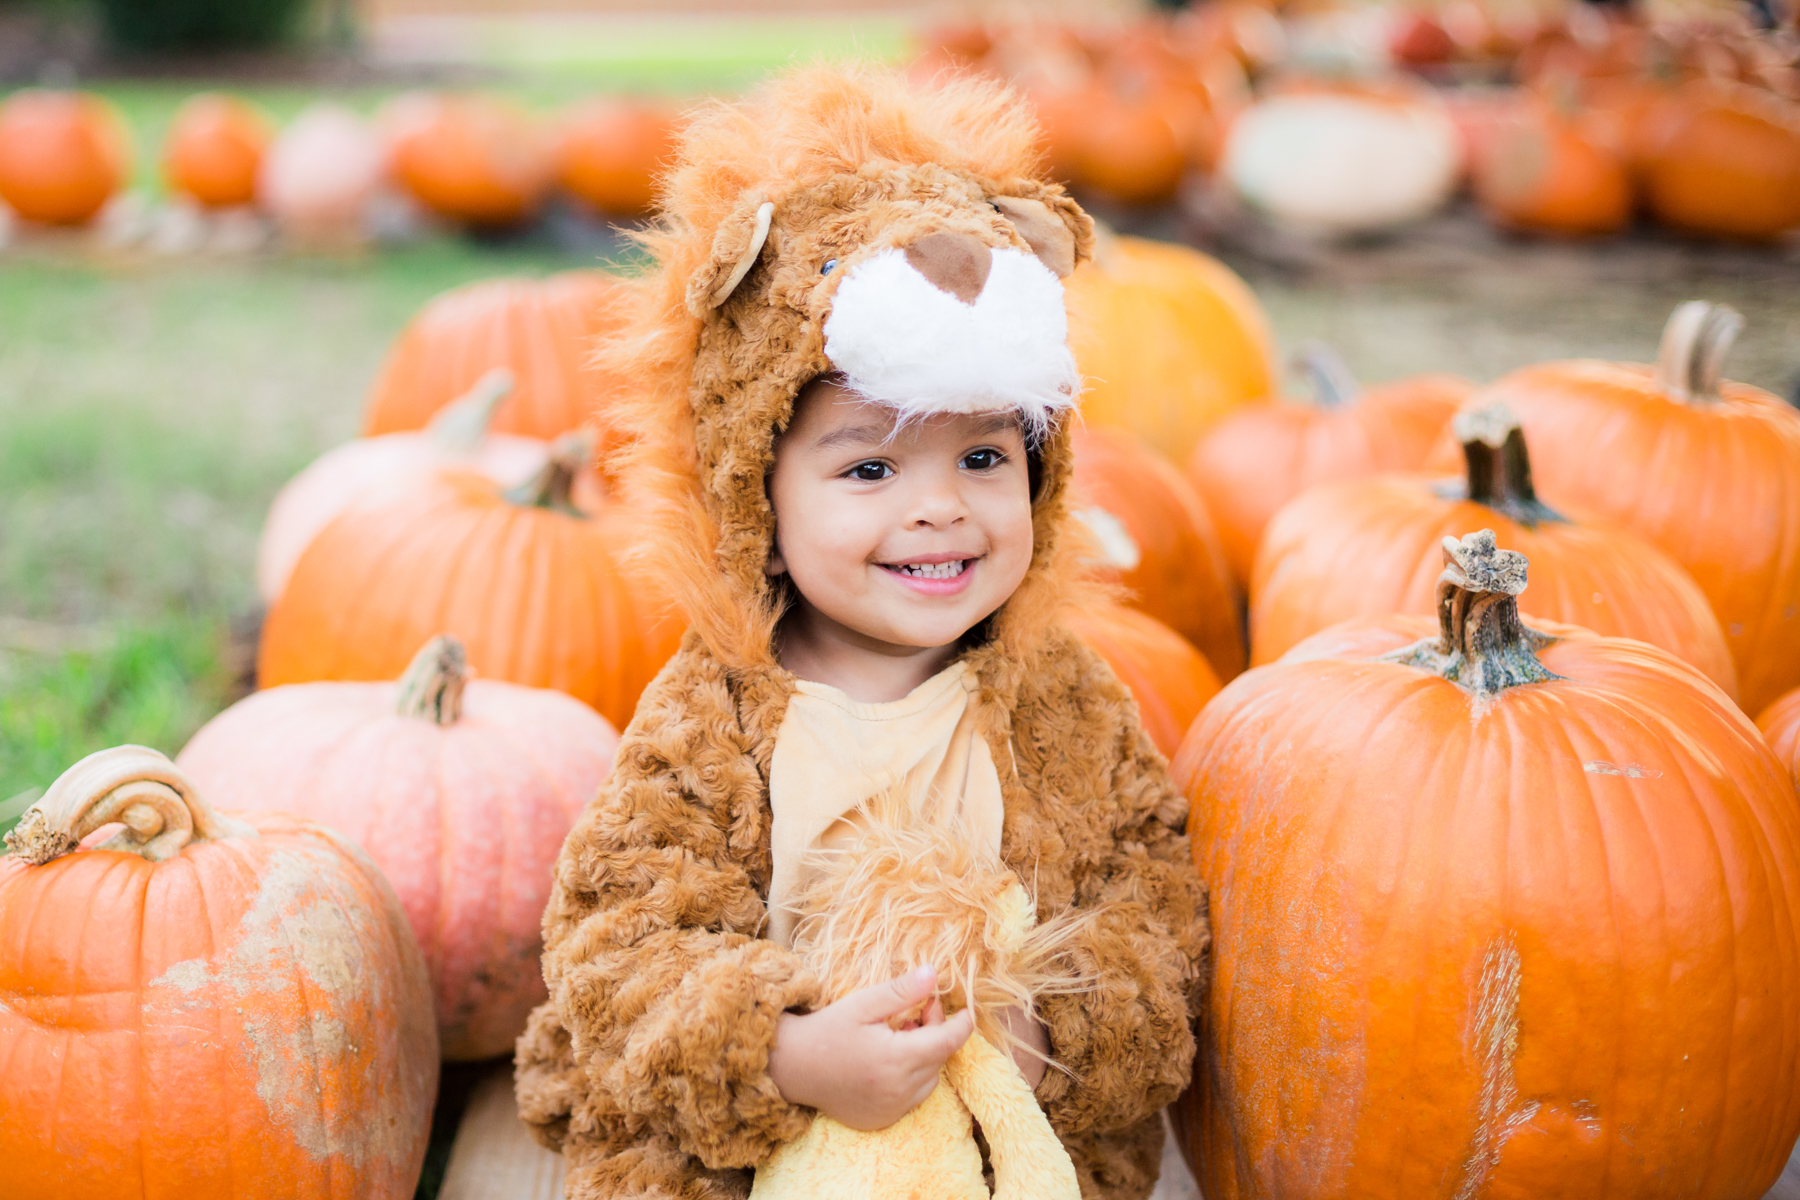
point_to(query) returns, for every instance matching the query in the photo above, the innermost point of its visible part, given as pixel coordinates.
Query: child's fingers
(934, 1012)
(934, 1044)
(880, 1001)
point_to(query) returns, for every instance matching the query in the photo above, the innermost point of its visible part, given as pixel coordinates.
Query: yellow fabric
(833, 753)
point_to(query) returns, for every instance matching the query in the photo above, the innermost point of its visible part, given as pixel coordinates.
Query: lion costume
(847, 222)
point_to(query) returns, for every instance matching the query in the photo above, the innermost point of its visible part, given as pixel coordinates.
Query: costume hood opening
(843, 221)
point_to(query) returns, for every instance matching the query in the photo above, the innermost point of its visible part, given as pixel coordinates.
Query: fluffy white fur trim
(902, 341)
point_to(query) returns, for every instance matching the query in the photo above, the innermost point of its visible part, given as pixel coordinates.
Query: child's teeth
(946, 570)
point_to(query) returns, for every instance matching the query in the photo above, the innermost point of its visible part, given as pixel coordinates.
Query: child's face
(907, 538)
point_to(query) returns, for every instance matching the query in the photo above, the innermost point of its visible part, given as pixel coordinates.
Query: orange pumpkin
(1780, 725)
(1370, 547)
(469, 157)
(1263, 455)
(461, 792)
(542, 330)
(1169, 679)
(1169, 341)
(610, 151)
(531, 586)
(1551, 171)
(1724, 159)
(203, 1006)
(1498, 910)
(1155, 538)
(215, 148)
(1704, 468)
(339, 477)
(62, 155)
(1135, 150)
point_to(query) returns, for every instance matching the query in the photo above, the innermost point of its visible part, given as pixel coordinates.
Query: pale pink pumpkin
(461, 791)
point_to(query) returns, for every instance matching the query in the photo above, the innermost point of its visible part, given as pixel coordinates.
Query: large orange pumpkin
(534, 588)
(215, 148)
(1263, 455)
(62, 155)
(1370, 547)
(1156, 539)
(1497, 911)
(609, 152)
(203, 1007)
(1549, 170)
(1168, 340)
(1780, 725)
(1707, 469)
(542, 330)
(1724, 159)
(1169, 679)
(461, 792)
(469, 157)
(457, 435)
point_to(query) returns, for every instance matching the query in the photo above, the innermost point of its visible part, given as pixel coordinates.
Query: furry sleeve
(663, 999)
(1128, 1043)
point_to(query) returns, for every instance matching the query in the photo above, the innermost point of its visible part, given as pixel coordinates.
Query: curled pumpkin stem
(433, 685)
(551, 486)
(1482, 645)
(130, 785)
(459, 428)
(1695, 342)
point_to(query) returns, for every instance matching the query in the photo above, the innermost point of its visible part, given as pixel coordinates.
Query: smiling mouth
(943, 570)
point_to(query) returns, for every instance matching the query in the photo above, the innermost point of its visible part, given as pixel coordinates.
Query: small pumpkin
(203, 1006)
(533, 587)
(214, 149)
(62, 155)
(469, 157)
(1371, 547)
(1155, 538)
(321, 173)
(1724, 159)
(336, 479)
(460, 790)
(1169, 679)
(609, 152)
(1134, 148)
(1706, 468)
(1498, 909)
(1263, 455)
(1551, 170)
(1780, 725)
(542, 330)
(1168, 339)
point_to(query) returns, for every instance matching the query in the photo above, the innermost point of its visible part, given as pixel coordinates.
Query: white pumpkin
(322, 172)
(1339, 163)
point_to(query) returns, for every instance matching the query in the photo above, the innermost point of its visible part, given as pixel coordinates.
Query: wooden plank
(494, 1156)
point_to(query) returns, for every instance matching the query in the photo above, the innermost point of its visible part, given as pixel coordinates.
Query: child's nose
(938, 504)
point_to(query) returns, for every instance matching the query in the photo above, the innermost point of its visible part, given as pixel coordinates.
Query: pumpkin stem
(550, 487)
(133, 785)
(1498, 467)
(459, 428)
(1327, 375)
(432, 687)
(1482, 645)
(1695, 343)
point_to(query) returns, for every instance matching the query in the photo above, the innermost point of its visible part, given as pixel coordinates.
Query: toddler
(852, 451)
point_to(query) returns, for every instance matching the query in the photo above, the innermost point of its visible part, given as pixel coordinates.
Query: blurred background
(220, 214)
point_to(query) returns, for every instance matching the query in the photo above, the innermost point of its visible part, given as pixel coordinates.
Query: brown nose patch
(955, 262)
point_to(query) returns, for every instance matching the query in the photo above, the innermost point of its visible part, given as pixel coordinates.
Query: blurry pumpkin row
(465, 158)
(1696, 126)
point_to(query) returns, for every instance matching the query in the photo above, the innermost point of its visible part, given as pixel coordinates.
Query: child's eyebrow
(853, 435)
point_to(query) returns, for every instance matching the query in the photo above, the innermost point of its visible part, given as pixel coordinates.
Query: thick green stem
(1497, 465)
(131, 785)
(1482, 645)
(432, 687)
(460, 426)
(550, 487)
(1695, 343)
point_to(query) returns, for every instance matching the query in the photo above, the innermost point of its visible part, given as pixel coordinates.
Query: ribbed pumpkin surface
(1780, 725)
(1169, 679)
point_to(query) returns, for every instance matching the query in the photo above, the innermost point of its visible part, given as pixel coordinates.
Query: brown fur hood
(852, 163)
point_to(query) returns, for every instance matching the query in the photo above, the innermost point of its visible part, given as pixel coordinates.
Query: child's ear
(736, 247)
(1055, 228)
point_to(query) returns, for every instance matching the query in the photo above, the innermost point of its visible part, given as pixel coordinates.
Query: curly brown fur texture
(648, 1067)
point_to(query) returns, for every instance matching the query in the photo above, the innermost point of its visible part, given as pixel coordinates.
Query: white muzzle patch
(902, 341)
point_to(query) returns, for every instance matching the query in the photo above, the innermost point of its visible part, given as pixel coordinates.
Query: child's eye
(984, 459)
(872, 471)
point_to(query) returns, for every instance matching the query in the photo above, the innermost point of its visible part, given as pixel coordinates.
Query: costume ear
(1055, 228)
(736, 247)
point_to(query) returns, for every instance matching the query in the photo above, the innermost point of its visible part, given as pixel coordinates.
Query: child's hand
(847, 1062)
